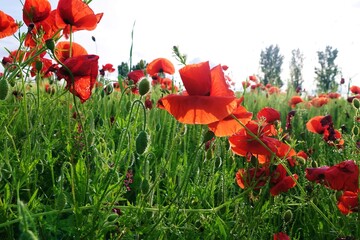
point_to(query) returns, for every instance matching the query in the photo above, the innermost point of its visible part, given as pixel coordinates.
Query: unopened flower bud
(356, 103)
(144, 86)
(50, 44)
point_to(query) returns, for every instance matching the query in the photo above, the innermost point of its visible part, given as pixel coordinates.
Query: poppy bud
(4, 89)
(355, 131)
(208, 136)
(288, 215)
(112, 217)
(50, 44)
(60, 201)
(141, 142)
(38, 65)
(28, 234)
(144, 86)
(108, 89)
(356, 103)
(314, 164)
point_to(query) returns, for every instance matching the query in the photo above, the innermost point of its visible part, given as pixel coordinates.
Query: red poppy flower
(281, 236)
(35, 11)
(62, 50)
(334, 95)
(253, 78)
(314, 125)
(355, 89)
(8, 26)
(324, 125)
(348, 202)
(77, 14)
(294, 101)
(280, 182)
(84, 69)
(208, 98)
(229, 126)
(160, 65)
(42, 31)
(269, 114)
(343, 176)
(253, 177)
(108, 67)
(273, 90)
(319, 101)
(44, 71)
(243, 143)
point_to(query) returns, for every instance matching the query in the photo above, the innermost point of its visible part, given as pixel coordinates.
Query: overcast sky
(226, 32)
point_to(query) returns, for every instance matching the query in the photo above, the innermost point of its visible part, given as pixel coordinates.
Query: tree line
(325, 74)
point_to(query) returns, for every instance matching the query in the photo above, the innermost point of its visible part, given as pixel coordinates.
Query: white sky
(230, 32)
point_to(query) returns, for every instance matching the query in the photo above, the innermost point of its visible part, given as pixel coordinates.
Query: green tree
(270, 62)
(328, 70)
(296, 66)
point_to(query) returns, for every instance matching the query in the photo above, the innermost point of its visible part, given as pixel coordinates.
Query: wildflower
(8, 26)
(289, 117)
(273, 90)
(281, 236)
(84, 70)
(36, 11)
(253, 177)
(40, 19)
(76, 15)
(107, 68)
(280, 182)
(319, 101)
(349, 202)
(294, 101)
(324, 125)
(355, 89)
(62, 50)
(253, 78)
(229, 125)
(334, 95)
(160, 65)
(207, 98)
(342, 176)
(243, 142)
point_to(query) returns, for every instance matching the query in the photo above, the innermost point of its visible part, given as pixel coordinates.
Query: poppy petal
(160, 65)
(198, 109)
(270, 114)
(229, 126)
(219, 87)
(197, 78)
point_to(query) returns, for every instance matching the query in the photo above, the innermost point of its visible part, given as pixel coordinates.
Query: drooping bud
(50, 44)
(141, 142)
(4, 89)
(288, 215)
(144, 86)
(356, 103)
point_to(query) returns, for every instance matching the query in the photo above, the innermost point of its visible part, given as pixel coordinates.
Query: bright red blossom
(160, 65)
(349, 202)
(281, 236)
(343, 176)
(8, 25)
(207, 99)
(35, 11)
(62, 50)
(84, 69)
(77, 15)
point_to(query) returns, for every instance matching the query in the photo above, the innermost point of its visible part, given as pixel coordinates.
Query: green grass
(81, 177)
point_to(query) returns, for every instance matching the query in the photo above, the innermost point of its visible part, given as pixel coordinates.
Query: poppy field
(143, 156)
